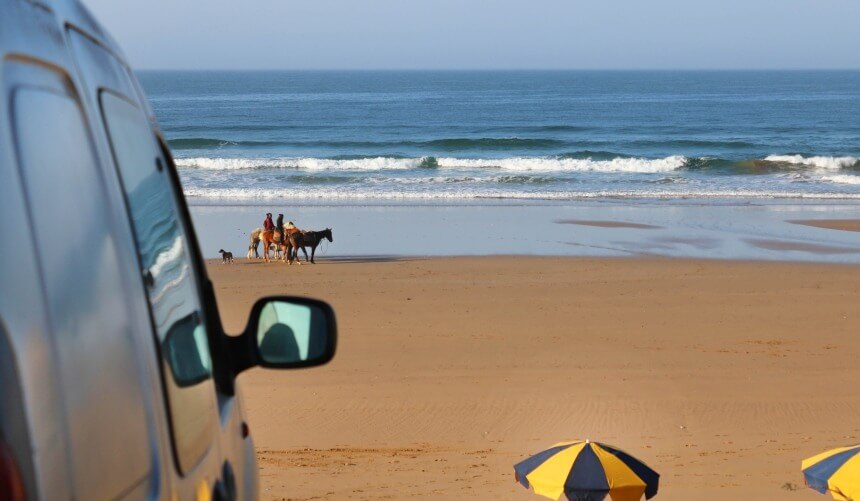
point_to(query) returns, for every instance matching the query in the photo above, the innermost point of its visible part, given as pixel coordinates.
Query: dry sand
(720, 375)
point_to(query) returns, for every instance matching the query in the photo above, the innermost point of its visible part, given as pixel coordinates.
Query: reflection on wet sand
(830, 224)
(608, 224)
(783, 245)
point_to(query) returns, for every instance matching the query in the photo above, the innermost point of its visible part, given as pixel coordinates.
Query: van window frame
(192, 249)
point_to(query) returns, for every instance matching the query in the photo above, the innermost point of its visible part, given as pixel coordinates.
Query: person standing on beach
(268, 225)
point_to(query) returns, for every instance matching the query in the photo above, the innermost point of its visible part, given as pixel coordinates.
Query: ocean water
(255, 137)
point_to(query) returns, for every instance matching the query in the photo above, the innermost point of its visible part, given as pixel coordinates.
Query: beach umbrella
(587, 471)
(836, 471)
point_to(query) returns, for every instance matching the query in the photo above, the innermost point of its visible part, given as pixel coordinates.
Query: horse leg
(254, 244)
(313, 251)
(305, 252)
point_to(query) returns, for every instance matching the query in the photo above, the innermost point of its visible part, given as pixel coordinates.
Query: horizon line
(502, 69)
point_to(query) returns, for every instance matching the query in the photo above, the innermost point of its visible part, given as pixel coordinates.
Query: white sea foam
(517, 164)
(304, 163)
(525, 179)
(842, 179)
(834, 163)
(549, 164)
(394, 194)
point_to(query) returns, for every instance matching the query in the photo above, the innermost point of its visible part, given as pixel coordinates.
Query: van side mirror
(286, 333)
(293, 332)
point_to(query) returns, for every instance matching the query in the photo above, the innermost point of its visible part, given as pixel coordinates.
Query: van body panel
(103, 401)
(84, 385)
(42, 453)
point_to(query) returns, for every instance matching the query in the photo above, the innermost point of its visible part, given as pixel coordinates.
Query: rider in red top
(268, 224)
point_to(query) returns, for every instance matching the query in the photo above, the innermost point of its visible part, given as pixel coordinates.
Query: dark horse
(302, 239)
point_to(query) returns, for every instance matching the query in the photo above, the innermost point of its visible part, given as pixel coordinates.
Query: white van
(116, 379)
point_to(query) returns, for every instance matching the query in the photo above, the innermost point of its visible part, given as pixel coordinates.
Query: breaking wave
(820, 162)
(582, 174)
(582, 161)
(308, 163)
(618, 164)
(522, 164)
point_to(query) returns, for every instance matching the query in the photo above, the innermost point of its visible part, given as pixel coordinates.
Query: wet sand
(609, 224)
(696, 229)
(831, 224)
(782, 245)
(721, 375)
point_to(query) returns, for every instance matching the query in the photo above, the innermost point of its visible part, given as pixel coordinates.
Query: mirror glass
(290, 333)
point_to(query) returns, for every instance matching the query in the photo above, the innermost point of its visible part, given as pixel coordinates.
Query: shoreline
(764, 232)
(718, 374)
(718, 199)
(404, 258)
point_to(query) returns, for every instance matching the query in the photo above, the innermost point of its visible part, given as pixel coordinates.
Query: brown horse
(302, 239)
(284, 246)
(269, 238)
(274, 245)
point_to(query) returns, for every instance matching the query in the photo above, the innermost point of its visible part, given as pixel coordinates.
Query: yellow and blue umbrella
(836, 471)
(587, 471)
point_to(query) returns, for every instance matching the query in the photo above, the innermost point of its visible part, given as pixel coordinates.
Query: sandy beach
(721, 375)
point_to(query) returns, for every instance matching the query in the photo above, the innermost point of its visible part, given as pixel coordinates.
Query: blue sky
(485, 34)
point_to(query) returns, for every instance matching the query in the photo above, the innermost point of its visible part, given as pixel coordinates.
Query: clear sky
(484, 34)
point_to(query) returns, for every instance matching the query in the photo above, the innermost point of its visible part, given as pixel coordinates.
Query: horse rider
(280, 224)
(268, 225)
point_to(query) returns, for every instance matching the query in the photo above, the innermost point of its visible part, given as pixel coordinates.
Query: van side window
(169, 279)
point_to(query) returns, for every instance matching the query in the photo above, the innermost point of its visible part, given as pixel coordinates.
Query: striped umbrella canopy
(836, 471)
(587, 471)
